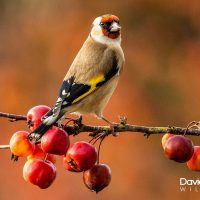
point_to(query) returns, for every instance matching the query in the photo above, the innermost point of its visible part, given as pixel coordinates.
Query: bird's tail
(48, 121)
(39, 132)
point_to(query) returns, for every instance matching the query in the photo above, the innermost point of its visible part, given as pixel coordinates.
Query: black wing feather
(73, 90)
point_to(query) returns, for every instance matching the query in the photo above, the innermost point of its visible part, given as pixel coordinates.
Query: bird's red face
(110, 26)
(106, 29)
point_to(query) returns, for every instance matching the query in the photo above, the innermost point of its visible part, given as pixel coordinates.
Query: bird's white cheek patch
(96, 31)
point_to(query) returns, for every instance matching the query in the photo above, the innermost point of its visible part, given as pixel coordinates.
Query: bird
(92, 76)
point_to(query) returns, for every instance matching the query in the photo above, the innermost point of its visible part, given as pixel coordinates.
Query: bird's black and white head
(106, 29)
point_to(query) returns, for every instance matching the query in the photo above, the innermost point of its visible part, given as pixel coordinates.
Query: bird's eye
(106, 25)
(102, 24)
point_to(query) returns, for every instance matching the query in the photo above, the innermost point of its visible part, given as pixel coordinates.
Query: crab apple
(165, 138)
(55, 141)
(20, 145)
(39, 153)
(98, 177)
(194, 162)
(39, 172)
(81, 156)
(35, 115)
(179, 148)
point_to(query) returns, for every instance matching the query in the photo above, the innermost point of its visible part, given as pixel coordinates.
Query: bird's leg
(106, 120)
(75, 121)
(111, 124)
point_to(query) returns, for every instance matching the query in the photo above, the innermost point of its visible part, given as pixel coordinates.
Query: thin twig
(13, 117)
(4, 146)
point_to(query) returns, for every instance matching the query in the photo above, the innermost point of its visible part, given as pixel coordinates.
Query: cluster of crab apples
(181, 149)
(81, 156)
(40, 168)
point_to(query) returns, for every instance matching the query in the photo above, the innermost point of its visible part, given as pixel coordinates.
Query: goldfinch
(92, 76)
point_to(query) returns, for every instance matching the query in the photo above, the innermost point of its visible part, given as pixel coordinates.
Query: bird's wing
(72, 92)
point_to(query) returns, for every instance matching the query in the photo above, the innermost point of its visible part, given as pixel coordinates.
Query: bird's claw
(112, 130)
(77, 122)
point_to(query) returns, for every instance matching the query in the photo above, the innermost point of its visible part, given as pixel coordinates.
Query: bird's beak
(115, 27)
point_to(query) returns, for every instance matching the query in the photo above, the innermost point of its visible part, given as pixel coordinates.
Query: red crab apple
(194, 162)
(165, 138)
(98, 177)
(20, 145)
(81, 156)
(39, 153)
(179, 148)
(35, 114)
(55, 141)
(39, 172)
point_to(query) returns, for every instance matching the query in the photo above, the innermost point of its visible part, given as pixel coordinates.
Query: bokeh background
(159, 87)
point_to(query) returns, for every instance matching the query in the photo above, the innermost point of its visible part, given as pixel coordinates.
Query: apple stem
(46, 156)
(98, 154)
(96, 138)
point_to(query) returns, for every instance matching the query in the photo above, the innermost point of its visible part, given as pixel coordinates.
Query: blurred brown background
(159, 87)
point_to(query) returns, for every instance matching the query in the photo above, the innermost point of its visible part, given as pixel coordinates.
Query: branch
(13, 117)
(78, 127)
(94, 130)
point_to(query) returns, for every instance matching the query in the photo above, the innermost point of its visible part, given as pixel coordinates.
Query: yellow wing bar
(93, 85)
